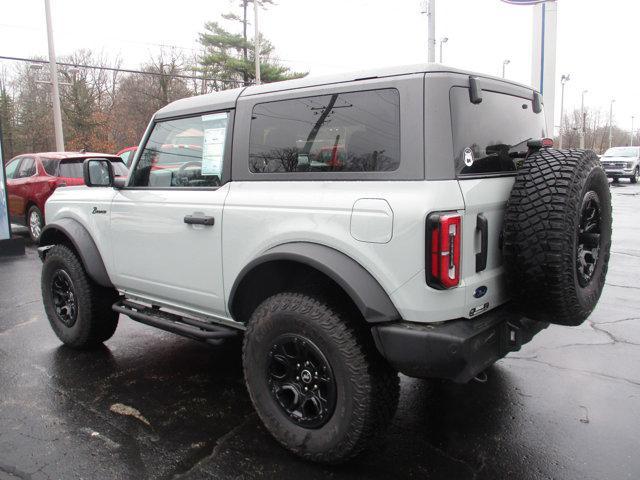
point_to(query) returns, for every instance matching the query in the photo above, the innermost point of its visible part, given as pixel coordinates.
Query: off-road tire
(541, 235)
(636, 174)
(367, 387)
(33, 210)
(95, 321)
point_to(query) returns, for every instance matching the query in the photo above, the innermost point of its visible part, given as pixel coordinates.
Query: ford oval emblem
(480, 291)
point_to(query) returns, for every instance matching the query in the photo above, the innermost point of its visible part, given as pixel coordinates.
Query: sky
(595, 38)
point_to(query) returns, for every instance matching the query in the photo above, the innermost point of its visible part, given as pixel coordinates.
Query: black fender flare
(83, 243)
(363, 289)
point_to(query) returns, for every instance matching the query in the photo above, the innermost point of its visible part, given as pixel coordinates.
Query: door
(11, 170)
(20, 188)
(166, 225)
(490, 140)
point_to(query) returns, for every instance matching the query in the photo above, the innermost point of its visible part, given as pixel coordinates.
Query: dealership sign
(526, 2)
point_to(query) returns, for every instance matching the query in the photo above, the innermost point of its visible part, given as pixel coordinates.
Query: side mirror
(97, 172)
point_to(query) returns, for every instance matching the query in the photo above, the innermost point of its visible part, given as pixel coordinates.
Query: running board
(171, 322)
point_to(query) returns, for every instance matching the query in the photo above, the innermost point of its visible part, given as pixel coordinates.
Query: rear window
(72, 168)
(341, 132)
(488, 134)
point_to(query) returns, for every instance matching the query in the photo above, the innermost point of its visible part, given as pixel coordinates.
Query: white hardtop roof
(227, 98)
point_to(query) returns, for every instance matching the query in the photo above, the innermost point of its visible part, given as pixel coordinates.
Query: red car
(32, 178)
(127, 154)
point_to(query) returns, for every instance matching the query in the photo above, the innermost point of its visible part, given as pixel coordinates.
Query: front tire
(79, 310)
(636, 175)
(35, 222)
(316, 381)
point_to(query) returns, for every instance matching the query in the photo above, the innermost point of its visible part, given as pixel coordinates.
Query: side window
(341, 132)
(50, 166)
(186, 152)
(12, 167)
(125, 156)
(27, 168)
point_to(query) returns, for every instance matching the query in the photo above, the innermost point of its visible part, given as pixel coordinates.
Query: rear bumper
(458, 349)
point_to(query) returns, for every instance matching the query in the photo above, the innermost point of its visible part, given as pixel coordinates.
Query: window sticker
(213, 144)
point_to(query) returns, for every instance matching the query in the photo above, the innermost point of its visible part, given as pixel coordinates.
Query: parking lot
(153, 405)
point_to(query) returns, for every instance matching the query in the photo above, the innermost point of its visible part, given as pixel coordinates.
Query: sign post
(543, 57)
(8, 244)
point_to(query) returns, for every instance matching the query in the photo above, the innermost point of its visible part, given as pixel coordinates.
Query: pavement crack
(613, 338)
(622, 286)
(216, 449)
(627, 253)
(18, 325)
(586, 372)
(618, 321)
(8, 469)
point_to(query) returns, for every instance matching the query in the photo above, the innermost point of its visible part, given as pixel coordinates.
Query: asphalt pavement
(150, 404)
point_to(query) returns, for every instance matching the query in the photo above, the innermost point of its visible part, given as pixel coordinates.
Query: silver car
(622, 162)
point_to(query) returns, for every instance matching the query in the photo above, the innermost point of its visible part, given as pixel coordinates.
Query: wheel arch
(281, 267)
(72, 233)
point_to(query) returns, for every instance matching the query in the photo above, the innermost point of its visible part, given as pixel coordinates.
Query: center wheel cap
(305, 376)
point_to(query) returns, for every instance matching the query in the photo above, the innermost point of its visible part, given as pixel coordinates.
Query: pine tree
(230, 56)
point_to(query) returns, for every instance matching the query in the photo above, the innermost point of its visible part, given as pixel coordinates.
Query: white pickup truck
(410, 219)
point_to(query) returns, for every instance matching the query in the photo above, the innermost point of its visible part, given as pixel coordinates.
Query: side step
(171, 322)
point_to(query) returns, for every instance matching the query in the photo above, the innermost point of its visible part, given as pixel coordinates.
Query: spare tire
(557, 235)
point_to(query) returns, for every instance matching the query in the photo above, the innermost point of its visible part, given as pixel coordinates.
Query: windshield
(622, 152)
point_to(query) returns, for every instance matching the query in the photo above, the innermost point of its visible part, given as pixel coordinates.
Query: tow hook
(481, 377)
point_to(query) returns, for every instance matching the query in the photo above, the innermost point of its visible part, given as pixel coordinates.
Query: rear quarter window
(50, 166)
(341, 132)
(487, 134)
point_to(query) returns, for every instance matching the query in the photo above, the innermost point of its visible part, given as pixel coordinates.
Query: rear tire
(290, 337)
(35, 223)
(557, 235)
(79, 310)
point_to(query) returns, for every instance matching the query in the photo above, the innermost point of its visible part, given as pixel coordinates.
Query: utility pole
(583, 119)
(611, 121)
(442, 40)
(431, 30)
(631, 139)
(563, 79)
(256, 41)
(55, 93)
(504, 64)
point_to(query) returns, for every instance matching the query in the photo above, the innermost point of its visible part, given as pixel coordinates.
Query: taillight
(443, 250)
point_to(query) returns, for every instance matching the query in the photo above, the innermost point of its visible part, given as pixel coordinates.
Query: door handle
(199, 220)
(482, 225)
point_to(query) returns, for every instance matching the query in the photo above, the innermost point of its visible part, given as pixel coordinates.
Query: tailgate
(485, 201)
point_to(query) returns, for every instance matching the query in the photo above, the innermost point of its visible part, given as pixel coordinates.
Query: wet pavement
(150, 404)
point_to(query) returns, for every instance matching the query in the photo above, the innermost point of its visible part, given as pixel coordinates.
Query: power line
(124, 70)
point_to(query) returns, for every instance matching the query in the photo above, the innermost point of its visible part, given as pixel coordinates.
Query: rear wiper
(521, 153)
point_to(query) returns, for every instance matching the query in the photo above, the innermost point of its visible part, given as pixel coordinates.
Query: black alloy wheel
(588, 238)
(64, 298)
(301, 380)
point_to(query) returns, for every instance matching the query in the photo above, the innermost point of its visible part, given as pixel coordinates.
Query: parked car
(33, 177)
(127, 154)
(442, 232)
(622, 162)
